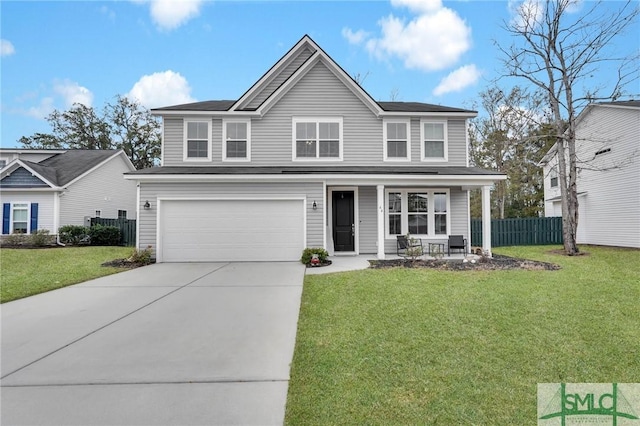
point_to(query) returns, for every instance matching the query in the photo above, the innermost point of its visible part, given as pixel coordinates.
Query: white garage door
(231, 230)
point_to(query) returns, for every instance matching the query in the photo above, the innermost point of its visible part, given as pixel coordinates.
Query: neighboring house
(45, 189)
(306, 158)
(608, 153)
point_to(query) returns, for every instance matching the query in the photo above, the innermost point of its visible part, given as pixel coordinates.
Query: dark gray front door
(343, 221)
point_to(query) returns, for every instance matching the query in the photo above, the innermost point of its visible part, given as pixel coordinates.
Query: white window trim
(405, 212)
(185, 149)
(446, 142)
(316, 120)
(553, 173)
(224, 140)
(406, 122)
(11, 222)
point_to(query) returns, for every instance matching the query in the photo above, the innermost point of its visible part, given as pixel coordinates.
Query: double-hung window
(197, 140)
(423, 212)
(553, 177)
(20, 216)
(317, 139)
(236, 139)
(396, 141)
(433, 140)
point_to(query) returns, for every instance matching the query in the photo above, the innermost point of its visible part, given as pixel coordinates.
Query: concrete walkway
(196, 344)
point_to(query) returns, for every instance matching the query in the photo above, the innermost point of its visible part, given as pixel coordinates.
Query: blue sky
(165, 52)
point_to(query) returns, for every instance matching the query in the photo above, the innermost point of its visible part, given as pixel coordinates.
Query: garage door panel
(232, 230)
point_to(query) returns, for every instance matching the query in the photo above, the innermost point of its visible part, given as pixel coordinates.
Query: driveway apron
(198, 343)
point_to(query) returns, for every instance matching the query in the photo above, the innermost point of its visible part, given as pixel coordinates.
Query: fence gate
(526, 231)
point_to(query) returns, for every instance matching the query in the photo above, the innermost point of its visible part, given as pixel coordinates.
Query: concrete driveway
(179, 344)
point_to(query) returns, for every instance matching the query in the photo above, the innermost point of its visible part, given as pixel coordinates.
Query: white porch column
(486, 220)
(380, 189)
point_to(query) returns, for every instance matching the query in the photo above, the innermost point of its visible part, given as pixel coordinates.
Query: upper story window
(553, 177)
(433, 140)
(197, 140)
(236, 140)
(317, 139)
(396, 141)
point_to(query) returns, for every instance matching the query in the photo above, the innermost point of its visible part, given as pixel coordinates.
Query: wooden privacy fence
(127, 228)
(526, 231)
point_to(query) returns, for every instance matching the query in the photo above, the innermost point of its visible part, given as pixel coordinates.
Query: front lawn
(407, 346)
(25, 272)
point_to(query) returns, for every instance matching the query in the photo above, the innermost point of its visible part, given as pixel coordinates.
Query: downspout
(56, 210)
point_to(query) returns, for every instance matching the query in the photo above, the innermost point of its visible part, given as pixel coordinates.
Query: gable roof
(286, 72)
(63, 168)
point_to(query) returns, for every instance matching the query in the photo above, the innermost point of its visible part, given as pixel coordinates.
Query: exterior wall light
(147, 206)
(314, 205)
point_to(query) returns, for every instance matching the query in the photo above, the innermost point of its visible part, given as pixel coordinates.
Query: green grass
(404, 346)
(26, 272)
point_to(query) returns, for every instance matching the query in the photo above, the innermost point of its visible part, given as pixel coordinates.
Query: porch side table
(436, 248)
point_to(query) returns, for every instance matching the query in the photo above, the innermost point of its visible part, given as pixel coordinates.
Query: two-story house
(608, 180)
(306, 158)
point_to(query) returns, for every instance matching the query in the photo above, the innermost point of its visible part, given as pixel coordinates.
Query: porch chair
(403, 244)
(457, 242)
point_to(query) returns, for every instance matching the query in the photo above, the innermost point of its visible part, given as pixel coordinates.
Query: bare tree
(557, 48)
(360, 78)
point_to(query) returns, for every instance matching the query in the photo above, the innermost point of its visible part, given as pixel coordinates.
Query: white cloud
(434, 38)
(458, 80)
(170, 14)
(6, 48)
(40, 111)
(356, 37)
(526, 14)
(161, 89)
(73, 93)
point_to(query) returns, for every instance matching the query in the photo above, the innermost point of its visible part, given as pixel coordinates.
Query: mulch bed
(123, 263)
(497, 262)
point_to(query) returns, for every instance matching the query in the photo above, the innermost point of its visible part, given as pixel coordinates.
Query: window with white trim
(422, 213)
(396, 141)
(122, 214)
(236, 140)
(553, 177)
(433, 140)
(317, 139)
(197, 140)
(19, 218)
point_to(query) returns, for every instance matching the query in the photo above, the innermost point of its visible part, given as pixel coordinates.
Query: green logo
(587, 403)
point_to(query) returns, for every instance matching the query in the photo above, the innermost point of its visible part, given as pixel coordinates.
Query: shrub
(14, 240)
(141, 257)
(74, 234)
(101, 235)
(308, 253)
(41, 238)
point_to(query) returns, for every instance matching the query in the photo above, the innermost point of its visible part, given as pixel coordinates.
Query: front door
(344, 229)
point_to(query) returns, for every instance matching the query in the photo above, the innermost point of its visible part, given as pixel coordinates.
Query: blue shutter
(34, 217)
(6, 217)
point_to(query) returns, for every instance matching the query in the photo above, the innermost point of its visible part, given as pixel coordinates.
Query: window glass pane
(19, 215)
(197, 149)
(440, 224)
(395, 224)
(305, 131)
(305, 148)
(396, 149)
(434, 149)
(418, 224)
(433, 131)
(418, 202)
(237, 131)
(197, 130)
(122, 214)
(440, 202)
(392, 130)
(329, 130)
(236, 149)
(395, 202)
(329, 149)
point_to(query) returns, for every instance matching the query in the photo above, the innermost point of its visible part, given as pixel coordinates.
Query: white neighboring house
(46, 189)
(608, 151)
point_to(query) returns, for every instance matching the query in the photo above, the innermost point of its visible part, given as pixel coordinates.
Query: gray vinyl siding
(368, 215)
(610, 181)
(22, 178)
(459, 221)
(318, 94)
(197, 190)
(280, 78)
(103, 189)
